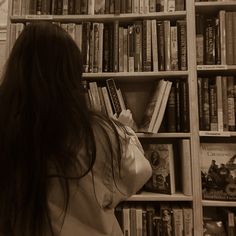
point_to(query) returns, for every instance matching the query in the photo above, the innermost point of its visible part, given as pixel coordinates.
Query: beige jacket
(91, 207)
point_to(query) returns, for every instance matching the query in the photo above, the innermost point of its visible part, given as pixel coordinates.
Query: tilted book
(161, 158)
(218, 170)
(153, 107)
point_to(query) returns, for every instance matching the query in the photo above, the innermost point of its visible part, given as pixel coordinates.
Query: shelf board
(147, 196)
(101, 18)
(217, 134)
(214, 7)
(218, 203)
(135, 75)
(164, 135)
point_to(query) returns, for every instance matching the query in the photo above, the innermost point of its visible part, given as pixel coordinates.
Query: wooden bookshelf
(135, 79)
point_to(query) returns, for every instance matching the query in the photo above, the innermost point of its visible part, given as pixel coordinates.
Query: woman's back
(64, 163)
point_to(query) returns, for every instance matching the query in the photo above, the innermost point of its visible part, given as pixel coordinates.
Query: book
(188, 221)
(162, 109)
(153, 107)
(161, 158)
(185, 156)
(218, 170)
(178, 224)
(114, 96)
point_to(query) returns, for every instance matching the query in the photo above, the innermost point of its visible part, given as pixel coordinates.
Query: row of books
(91, 7)
(169, 99)
(167, 109)
(147, 45)
(216, 38)
(217, 103)
(163, 220)
(218, 168)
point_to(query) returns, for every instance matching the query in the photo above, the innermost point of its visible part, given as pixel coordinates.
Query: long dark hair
(44, 122)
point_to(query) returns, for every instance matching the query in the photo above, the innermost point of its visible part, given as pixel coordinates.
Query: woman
(63, 167)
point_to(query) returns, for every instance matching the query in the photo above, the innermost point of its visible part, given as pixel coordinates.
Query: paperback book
(218, 171)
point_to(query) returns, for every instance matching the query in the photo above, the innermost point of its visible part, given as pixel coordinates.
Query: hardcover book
(218, 170)
(161, 158)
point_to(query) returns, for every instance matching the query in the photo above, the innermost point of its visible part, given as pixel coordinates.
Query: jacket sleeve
(135, 169)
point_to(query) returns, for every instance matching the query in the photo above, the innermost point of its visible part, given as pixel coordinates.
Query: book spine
(180, 5)
(78, 36)
(113, 95)
(182, 44)
(171, 6)
(99, 7)
(171, 111)
(205, 103)
(71, 7)
(178, 221)
(184, 106)
(125, 50)
(84, 7)
(117, 7)
(106, 51)
(121, 49)
(116, 47)
(213, 105)
(188, 221)
(85, 45)
(185, 153)
(96, 47)
(100, 47)
(234, 37)
(200, 39)
(91, 47)
(65, 7)
(173, 48)
(131, 51)
(154, 46)
(167, 45)
(222, 36)
(231, 105)
(138, 46)
(161, 45)
(229, 38)
(107, 102)
(95, 96)
(219, 103)
(152, 6)
(225, 103)
(16, 7)
(217, 42)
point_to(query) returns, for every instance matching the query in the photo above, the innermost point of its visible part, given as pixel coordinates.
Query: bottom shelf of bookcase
(148, 196)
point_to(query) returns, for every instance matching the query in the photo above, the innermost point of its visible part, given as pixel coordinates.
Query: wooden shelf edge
(147, 196)
(164, 135)
(218, 203)
(136, 75)
(102, 17)
(217, 134)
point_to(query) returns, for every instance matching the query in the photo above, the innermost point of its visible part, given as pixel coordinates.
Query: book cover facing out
(161, 159)
(218, 171)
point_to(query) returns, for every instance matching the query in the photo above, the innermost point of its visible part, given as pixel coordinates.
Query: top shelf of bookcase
(214, 7)
(101, 18)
